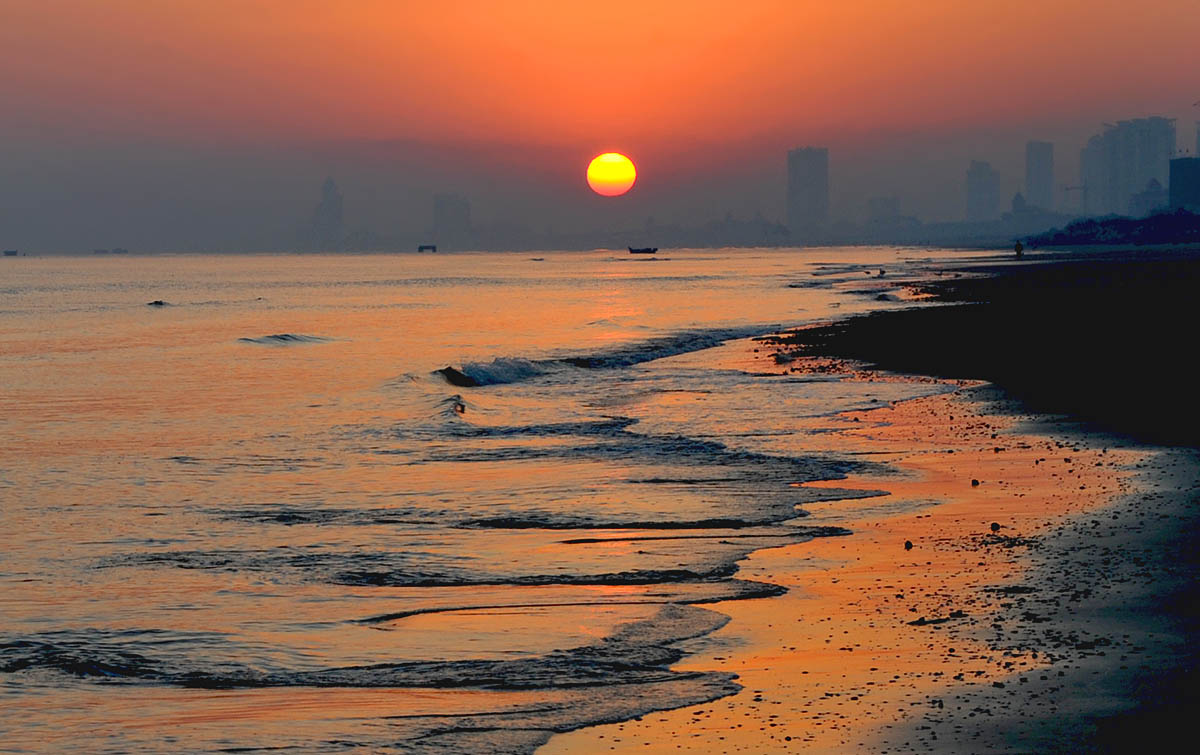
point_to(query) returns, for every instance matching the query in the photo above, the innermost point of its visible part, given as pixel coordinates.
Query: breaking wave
(504, 370)
(285, 339)
(636, 653)
(432, 569)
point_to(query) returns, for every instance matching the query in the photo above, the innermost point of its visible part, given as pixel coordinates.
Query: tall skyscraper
(1039, 175)
(1091, 176)
(1152, 199)
(1185, 183)
(1122, 160)
(983, 192)
(452, 221)
(808, 193)
(328, 230)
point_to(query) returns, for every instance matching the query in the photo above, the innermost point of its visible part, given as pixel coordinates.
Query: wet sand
(1046, 603)
(1019, 638)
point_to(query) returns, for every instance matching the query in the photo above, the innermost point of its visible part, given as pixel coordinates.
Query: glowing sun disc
(611, 174)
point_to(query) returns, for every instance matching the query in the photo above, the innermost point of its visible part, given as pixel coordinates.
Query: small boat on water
(10, 252)
(643, 250)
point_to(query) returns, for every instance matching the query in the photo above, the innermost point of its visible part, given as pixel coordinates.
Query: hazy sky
(215, 120)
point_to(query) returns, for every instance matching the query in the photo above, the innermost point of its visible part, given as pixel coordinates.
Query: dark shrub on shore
(1173, 227)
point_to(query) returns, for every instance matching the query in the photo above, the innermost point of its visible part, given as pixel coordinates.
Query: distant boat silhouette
(643, 250)
(427, 247)
(10, 252)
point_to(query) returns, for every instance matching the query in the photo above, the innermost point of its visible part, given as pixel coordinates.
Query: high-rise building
(451, 221)
(983, 192)
(328, 229)
(1148, 201)
(808, 193)
(1185, 183)
(1039, 175)
(1121, 162)
(1091, 175)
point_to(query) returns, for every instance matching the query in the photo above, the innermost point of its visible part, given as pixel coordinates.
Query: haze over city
(187, 126)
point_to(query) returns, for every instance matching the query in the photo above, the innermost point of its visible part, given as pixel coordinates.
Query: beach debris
(974, 483)
(156, 303)
(940, 620)
(1012, 590)
(995, 526)
(1007, 541)
(908, 545)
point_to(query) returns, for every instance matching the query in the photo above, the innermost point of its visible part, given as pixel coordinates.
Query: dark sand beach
(1028, 584)
(1104, 338)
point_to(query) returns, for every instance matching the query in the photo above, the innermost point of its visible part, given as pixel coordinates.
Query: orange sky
(603, 74)
(202, 122)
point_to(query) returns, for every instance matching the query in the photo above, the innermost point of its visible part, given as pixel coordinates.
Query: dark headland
(1105, 338)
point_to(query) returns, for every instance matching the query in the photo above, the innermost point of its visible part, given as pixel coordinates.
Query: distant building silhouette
(1122, 160)
(884, 223)
(1185, 183)
(1149, 200)
(1039, 174)
(1092, 176)
(808, 193)
(1024, 219)
(983, 193)
(883, 209)
(328, 229)
(452, 221)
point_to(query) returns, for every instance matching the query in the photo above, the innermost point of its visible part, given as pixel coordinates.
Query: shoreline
(1070, 623)
(974, 639)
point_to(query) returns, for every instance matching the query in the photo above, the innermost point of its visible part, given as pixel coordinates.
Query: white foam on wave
(285, 339)
(503, 370)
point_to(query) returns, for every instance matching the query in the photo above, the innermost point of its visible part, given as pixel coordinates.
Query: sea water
(443, 503)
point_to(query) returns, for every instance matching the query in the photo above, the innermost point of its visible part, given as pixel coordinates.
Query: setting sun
(611, 174)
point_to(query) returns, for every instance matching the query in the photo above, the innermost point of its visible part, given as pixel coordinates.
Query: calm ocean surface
(259, 517)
